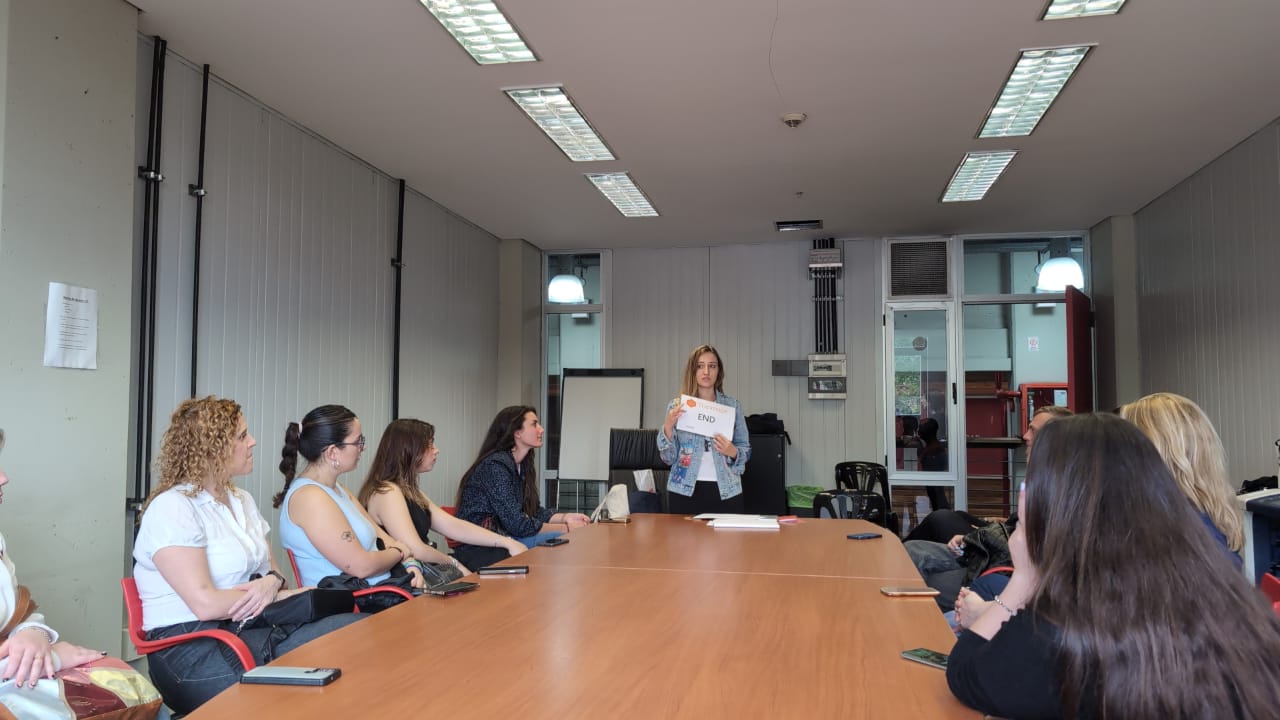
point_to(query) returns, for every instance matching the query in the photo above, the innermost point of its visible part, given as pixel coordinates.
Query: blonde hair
(197, 445)
(689, 385)
(1193, 451)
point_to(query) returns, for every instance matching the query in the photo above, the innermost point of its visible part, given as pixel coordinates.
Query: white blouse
(9, 596)
(234, 540)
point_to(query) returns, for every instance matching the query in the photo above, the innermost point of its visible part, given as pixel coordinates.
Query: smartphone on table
(925, 656)
(552, 542)
(283, 675)
(453, 588)
(504, 570)
(863, 536)
(914, 591)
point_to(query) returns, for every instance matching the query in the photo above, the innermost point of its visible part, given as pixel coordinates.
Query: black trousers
(705, 499)
(941, 525)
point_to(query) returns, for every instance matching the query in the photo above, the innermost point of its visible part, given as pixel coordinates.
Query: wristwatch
(280, 577)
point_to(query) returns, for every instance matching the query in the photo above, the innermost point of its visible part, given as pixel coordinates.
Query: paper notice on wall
(71, 327)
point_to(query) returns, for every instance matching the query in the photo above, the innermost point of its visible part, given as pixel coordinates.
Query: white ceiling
(683, 91)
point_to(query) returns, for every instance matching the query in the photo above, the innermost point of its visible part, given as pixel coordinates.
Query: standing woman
(500, 490)
(202, 559)
(323, 525)
(706, 473)
(395, 501)
(1098, 620)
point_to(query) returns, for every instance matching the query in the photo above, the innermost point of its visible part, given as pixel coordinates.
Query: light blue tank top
(313, 566)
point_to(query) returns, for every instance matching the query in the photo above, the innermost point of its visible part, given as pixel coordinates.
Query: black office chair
(867, 477)
(637, 449)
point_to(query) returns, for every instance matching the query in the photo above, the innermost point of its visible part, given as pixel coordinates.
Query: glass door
(926, 432)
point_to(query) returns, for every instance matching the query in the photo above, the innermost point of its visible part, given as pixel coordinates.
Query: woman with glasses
(321, 523)
(394, 500)
(706, 472)
(500, 490)
(202, 558)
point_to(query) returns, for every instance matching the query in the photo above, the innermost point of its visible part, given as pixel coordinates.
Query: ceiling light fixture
(482, 30)
(1066, 9)
(976, 174)
(566, 289)
(1060, 270)
(625, 195)
(1033, 85)
(551, 109)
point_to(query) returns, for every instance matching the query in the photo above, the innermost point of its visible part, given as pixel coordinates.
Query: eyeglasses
(359, 442)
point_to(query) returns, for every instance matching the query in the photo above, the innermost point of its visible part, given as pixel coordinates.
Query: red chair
(297, 578)
(454, 512)
(133, 605)
(1270, 586)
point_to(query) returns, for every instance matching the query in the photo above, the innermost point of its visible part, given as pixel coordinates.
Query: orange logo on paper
(691, 402)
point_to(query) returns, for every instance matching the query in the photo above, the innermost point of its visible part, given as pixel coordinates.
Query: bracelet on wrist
(1006, 608)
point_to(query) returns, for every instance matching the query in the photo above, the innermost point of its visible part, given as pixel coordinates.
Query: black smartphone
(925, 656)
(862, 536)
(552, 542)
(504, 570)
(453, 588)
(280, 675)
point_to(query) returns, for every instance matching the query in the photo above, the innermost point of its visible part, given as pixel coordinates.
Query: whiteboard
(591, 403)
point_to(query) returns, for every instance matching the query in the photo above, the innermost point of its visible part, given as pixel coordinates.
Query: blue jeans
(189, 674)
(533, 540)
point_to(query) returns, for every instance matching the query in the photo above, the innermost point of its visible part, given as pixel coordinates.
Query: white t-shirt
(707, 468)
(235, 544)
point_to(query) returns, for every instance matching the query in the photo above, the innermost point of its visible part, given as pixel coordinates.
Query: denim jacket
(684, 455)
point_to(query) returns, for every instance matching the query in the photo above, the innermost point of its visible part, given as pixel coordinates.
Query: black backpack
(767, 424)
(851, 505)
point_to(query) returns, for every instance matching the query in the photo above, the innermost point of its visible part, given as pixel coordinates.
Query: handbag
(304, 607)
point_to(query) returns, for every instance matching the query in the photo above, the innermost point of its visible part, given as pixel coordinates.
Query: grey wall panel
(449, 337)
(1207, 259)
(658, 314)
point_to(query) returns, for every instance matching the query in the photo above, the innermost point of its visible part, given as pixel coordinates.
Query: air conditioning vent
(918, 268)
(788, 225)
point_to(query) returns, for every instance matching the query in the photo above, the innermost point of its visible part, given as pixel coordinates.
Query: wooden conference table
(663, 617)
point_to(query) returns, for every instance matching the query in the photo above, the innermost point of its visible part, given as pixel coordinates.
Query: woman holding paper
(706, 469)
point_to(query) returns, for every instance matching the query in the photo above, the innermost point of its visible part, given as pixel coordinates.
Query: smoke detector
(793, 119)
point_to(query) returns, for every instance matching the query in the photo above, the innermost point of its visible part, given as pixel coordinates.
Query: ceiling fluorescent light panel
(1032, 87)
(976, 174)
(555, 114)
(625, 195)
(1067, 9)
(482, 30)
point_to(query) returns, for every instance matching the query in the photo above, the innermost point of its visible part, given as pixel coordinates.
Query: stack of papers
(730, 520)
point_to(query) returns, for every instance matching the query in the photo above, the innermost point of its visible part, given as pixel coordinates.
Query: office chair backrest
(632, 449)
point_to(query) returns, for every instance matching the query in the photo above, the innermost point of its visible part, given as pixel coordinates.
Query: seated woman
(326, 529)
(500, 489)
(1191, 449)
(31, 653)
(394, 500)
(202, 557)
(1097, 620)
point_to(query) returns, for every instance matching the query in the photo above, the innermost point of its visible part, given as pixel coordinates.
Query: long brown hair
(501, 437)
(1191, 448)
(689, 383)
(1115, 541)
(403, 444)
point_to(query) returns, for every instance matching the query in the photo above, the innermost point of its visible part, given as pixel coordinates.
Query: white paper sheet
(71, 327)
(706, 418)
